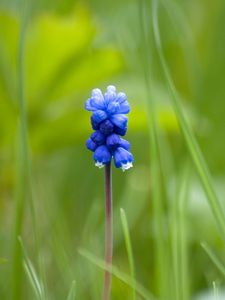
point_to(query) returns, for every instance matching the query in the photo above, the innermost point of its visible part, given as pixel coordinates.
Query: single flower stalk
(109, 122)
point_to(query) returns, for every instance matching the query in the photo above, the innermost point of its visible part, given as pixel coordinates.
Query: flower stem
(108, 231)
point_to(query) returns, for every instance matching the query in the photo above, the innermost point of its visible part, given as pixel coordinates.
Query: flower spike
(109, 121)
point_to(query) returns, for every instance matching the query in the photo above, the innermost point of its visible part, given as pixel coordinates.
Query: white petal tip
(126, 166)
(111, 88)
(99, 164)
(96, 92)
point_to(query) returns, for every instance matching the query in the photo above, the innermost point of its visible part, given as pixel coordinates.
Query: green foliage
(214, 258)
(120, 275)
(128, 247)
(72, 293)
(192, 145)
(32, 275)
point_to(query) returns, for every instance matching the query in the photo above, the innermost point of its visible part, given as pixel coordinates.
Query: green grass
(128, 248)
(192, 145)
(24, 182)
(72, 292)
(215, 291)
(179, 238)
(128, 280)
(32, 274)
(155, 159)
(22, 164)
(214, 258)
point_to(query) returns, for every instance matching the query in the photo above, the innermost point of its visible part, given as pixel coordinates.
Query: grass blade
(24, 180)
(186, 40)
(193, 147)
(215, 291)
(220, 266)
(129, 248)
(117, 273)
(72, 292)
(156, 163)
(178, 238)
(32, 275)
(21, 163)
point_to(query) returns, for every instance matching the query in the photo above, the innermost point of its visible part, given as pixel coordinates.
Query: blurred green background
(71, 47)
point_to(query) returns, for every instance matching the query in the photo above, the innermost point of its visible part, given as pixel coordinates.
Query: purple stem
(108, 231)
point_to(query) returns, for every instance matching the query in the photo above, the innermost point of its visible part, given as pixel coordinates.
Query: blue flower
(111, 106)
(123, 159)
(102, 156)
(91, 145)
(110, 123)
(106, 127)
(113, 141)
(120, 131)
(98, 137)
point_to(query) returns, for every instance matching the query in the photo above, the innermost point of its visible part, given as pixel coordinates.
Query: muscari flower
(109, 122)
(108, 111)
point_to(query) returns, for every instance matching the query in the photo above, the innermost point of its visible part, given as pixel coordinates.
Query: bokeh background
(50, 192)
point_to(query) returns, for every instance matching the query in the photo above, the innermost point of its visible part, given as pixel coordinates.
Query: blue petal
(97, 93)
(111, 88)
(106, 127)
(102, 156)
(113, 107)
(97, 100)
(120, 131)
(123, 159)
(91, 145)
(88, 106)
(124, 104)
(119, 120)
(124, 108)
(113, 141)
(121, 97)
(95, 125)
(99, 116)
(110, 95)
(98, 137)
(124, 144)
